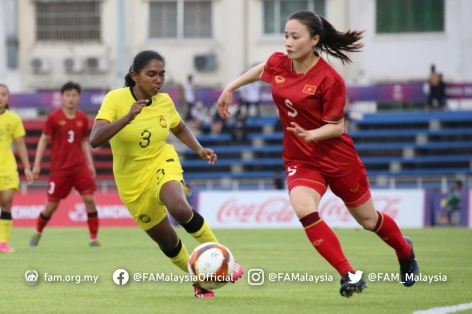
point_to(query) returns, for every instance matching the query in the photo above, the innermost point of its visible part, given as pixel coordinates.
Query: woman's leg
(173, 196)
(6, 222)
(305, 202)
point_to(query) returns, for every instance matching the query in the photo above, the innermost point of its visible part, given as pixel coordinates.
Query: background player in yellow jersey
(136, 120)
(11, 130)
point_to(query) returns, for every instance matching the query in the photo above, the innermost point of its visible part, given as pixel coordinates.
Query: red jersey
(311, 100)
(67, 156)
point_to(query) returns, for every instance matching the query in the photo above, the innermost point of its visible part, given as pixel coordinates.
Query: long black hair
(8, 92)
(140, 61)
(332, 42)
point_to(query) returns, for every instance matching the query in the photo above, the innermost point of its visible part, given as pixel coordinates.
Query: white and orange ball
(211, 265)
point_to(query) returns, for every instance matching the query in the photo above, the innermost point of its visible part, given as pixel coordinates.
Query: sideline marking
(446, 309)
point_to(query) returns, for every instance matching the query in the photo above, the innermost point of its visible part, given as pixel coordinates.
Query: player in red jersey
(71, 161)
(310, 97)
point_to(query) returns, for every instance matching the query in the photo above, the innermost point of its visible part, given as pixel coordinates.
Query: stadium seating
(391, 145)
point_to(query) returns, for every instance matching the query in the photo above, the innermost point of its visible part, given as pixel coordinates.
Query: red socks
(41, 223)
(92, 222)
(325, 242)
(387, 229)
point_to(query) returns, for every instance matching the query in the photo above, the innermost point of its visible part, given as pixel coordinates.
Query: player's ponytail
(332, 42)
(140, 61)
(8, 93)
(128, 80)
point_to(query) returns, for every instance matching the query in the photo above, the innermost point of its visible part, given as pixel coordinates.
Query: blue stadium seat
(414, 117)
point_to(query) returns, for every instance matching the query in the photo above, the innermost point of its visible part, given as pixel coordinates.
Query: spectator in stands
(239, 132)
(442, 98)
(67, 131)
(147, 170)
(217, 122)
(433, 83)
(199, 116)
(251, 96)
(11, 131)
(310, 97)
(279, 183)
(454, 202)
(189, 95)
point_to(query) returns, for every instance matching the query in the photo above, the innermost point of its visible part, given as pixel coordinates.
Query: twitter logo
(354, 278)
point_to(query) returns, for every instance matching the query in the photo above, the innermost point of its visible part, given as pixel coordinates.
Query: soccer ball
(211, 265)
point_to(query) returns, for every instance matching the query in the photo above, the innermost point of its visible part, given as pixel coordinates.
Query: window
(68, 21)
(11, 32)
(276, 12)
(180, 19)
(407, 16)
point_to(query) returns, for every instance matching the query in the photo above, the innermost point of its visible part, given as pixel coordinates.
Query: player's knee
(182, 212)
(302, 208)
(6, 206)
(89, 202)
(368, 223)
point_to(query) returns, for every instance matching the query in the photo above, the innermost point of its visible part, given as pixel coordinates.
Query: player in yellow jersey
(136, 120)
(11, 130)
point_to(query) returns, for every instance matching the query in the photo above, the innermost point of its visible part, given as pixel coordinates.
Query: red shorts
(352, 188)
(60, 186)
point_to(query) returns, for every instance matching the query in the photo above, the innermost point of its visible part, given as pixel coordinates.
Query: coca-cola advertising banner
(272, 209)
(71, 211)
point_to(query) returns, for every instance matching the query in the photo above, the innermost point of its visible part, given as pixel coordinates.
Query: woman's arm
(88, 156)
(329, 130)
(183, 133)
(103, 130)
(42, 144)
(250, 76)
(23, 153)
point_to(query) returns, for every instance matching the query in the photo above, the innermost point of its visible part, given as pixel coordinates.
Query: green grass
(66, 252)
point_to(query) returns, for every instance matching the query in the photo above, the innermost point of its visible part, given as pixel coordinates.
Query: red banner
(71, 211)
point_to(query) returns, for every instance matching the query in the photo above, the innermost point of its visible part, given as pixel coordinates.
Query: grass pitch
(443, 252)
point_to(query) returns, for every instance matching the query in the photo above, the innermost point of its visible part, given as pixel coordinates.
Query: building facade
(94, 41)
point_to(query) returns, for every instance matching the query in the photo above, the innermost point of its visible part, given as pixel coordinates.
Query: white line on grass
(446, 309)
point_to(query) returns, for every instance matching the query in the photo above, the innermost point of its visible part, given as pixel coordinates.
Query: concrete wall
(238, 42)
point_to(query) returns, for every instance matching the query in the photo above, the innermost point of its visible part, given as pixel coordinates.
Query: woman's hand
(300, 132)
(223, 103)
(208, 154)
(29, 176)
(36, 171)
(92, 170)
(136, 108)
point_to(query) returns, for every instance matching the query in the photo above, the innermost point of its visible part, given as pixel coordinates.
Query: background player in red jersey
(71, 161)
(310, 97)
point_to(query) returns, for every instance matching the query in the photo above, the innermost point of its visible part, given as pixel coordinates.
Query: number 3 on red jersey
(71, 136)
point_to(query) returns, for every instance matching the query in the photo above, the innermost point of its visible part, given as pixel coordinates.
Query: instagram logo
(255, 277)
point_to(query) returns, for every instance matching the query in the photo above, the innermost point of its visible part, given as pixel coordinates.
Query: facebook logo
(120, 277)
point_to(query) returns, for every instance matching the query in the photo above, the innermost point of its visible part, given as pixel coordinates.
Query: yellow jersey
(141, 144)
(11, 128)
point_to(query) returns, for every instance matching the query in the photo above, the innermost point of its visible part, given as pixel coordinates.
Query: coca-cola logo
(278, 210)
(333, 209)
(272, 210)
